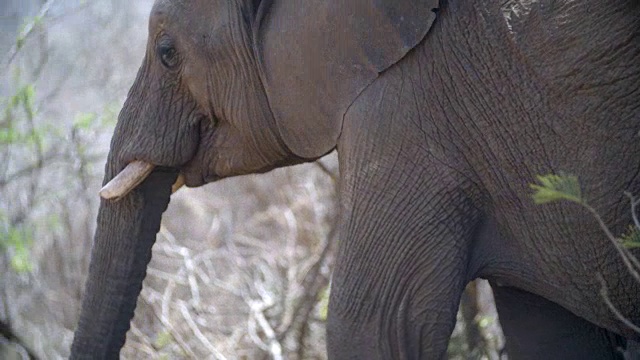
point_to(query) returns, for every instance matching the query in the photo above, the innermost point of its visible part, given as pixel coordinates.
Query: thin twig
(605, 295)
(174, 334)
(31, 26)
(196, 331)
(326, 170)
(275, 348)
(634, 204)
(629, 260)
(145, 344)
(32, 168)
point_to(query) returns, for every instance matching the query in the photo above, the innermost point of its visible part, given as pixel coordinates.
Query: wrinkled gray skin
(439, 126)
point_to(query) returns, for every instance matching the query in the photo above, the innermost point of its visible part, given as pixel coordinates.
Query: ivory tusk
(178, 184)
(126, 180)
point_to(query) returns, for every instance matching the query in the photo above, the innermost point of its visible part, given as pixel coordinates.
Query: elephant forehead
(183, 13)
(163, 12)
(190, 19)
(161, 7)
(171, 4)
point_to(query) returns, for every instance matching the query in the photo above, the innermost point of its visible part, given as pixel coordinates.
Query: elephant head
(227, 88)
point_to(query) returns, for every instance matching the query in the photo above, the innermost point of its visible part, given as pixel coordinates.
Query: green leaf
(323, 303)
(20, 42)
(110, 115)
(53, 222)
(485, 321)
(21, 261)
(16, 242)
(27, 96)
(163, 339)
(557, 187)
(24, 97)
(14, 101)
(631, 239)
(8, 135)
(35, 136)
(84, 120)
(37, 20)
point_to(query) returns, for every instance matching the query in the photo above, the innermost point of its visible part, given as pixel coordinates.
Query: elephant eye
(168, 56)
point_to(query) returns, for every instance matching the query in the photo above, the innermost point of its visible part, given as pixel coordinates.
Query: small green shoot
(17, 243)
(554, 188)
(163, 339)
(323, 303)
(631, 239)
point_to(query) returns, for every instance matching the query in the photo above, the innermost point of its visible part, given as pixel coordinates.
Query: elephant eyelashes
(168, 56)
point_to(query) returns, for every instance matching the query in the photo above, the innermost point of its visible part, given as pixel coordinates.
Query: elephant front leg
(402, 264)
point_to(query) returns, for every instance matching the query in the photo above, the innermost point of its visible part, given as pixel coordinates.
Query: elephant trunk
(126, 231)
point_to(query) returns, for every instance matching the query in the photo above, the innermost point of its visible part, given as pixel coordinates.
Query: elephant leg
(409, 213)
(536, 328)
(402, 263)
(392, 299)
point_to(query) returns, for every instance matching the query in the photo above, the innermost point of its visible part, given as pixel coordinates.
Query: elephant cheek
(198, 172)
(125, 233)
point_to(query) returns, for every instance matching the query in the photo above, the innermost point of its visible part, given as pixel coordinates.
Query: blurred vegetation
(52, 140)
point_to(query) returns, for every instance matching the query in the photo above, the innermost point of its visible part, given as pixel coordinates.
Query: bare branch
(175, 334)
(629, 260)
(326, 170)
(28, 30)
(196, 331)
(145, 346)
(44, 160)
(275, 348)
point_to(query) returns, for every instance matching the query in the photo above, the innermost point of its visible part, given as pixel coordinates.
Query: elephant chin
(125, 233)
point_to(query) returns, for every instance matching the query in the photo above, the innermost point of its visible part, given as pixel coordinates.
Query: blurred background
(241, 268)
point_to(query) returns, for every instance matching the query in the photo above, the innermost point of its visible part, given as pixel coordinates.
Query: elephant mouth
(136, 171)
(130, 177)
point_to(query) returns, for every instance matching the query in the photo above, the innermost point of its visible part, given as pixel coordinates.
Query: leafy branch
(553, 188)
(28, 29)
(557, 187)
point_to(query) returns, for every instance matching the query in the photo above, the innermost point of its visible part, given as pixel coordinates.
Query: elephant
(442, 113)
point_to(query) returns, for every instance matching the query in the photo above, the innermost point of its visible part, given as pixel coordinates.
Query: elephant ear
(318, 55)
